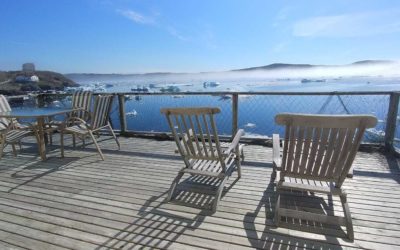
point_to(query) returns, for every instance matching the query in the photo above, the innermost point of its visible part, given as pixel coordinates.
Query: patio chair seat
(17, 135)
(209, 167)
(77, 129)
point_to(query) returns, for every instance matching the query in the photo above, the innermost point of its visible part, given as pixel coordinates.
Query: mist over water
(256, 112)
(369, 77)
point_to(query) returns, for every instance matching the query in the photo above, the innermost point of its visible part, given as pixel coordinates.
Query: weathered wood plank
(80, 199)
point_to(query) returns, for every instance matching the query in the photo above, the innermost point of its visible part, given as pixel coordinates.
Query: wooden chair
(11, 131)
(196, 137)
(96, 121)
(317, 154)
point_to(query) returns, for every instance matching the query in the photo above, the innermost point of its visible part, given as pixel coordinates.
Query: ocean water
(256, 112)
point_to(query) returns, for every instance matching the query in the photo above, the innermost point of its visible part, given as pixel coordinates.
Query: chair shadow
(26, 148)
(48, 166)
(270, 237)
(160, 225)
(156, 225)
(200, 191)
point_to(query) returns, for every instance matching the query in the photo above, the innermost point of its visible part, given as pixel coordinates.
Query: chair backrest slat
(188, 134)
(322, 147)
(82, 100)
(321, 151)
(4, 107)
(207, 130)
(329, 152)
(192, 132)
(182, 135)
(344, 152)
(200, 132)
(337, 150)
(299, 147)
(306, 149)
(313, 153)
(101, 111)
(196, 135)
(216, 138)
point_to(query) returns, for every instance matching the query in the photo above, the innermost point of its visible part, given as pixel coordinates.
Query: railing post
(235, 113)
(40, 100)
(391, 120)
(122, 116)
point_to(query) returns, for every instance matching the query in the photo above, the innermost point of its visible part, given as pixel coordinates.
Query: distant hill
(372, 62)
(276, 66)
(270, 67)
(279, 66)
(11, 84)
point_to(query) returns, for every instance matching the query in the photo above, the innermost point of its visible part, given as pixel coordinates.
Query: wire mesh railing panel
(143, 111)
(257, 112)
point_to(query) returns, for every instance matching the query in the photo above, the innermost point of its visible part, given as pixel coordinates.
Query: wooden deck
(81, 202)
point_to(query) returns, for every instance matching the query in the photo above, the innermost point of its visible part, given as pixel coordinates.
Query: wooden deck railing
(391, 119)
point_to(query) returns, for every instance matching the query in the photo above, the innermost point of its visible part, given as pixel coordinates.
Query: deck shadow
(158, 226)
(48, 166)
(270, 237)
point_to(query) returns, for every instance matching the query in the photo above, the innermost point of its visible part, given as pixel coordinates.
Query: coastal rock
(18, 82)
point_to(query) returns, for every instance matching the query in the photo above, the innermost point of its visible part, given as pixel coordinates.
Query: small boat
(140, 89)
(250, 125)
(170, 89)
(132, 113)
(225, 97)
(210, 84)
(128, 97)
(305, 80)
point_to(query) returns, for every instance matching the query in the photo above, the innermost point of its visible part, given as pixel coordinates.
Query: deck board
(81, 202)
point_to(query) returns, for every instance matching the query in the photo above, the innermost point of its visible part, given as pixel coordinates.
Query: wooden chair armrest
(276, 152)
(75, 121)
(8, 126)
(235, 142)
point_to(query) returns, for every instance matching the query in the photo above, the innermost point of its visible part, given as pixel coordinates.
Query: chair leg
(83, 142)
(173, 186)
(14, 149)
(219, 194)
(238, 165)
(62, 143)
(277, 217)
(2, 144)
(347, 215)
(73, 141)
(97, 145)
(115, 137)
(50, 135)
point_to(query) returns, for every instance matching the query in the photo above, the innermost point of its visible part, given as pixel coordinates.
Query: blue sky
(135, 36)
